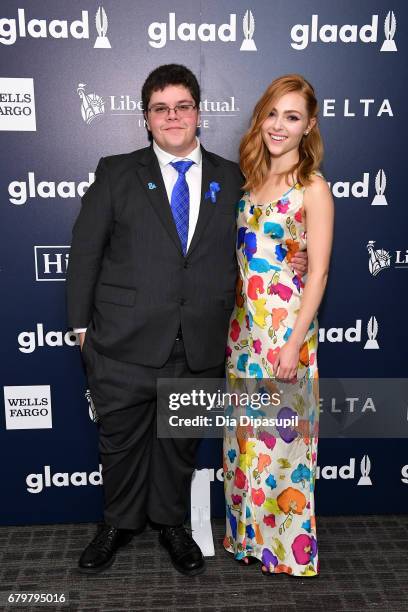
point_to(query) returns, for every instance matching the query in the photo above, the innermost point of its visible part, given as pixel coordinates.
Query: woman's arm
(319, 210)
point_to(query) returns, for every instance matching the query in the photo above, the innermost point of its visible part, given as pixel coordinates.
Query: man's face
(173, 132)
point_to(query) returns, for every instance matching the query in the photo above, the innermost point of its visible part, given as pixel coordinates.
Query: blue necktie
(180, 201)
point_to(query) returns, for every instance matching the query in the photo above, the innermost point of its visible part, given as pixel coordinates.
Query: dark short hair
(170, 74)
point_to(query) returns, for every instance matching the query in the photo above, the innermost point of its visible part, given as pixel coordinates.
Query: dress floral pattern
(269, 480)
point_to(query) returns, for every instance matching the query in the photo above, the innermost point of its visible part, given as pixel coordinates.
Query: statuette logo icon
(372, 331)
(92, 105)
(365, 467)
(101, 23)
(248, 26)
(390, 26)
(380, 185)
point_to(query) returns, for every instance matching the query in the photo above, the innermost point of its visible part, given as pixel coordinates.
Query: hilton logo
(51, 262)
(379, 259)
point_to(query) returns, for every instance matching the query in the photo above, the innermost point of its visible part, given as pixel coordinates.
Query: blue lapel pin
(212, 193)
(152, 185)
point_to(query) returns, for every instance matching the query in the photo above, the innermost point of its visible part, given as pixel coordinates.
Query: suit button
(185, 266)
(182, 301)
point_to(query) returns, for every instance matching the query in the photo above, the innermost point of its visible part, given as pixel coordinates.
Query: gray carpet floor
(364, 566)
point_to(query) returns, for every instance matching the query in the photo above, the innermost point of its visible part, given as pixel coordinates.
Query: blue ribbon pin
(152, 185)
(212, 193)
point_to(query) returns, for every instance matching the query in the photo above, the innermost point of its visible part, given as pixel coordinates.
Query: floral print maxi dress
(269, 481)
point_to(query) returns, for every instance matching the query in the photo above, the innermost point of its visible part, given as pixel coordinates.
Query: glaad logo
(161, 32)
(51, 262)
(20, 191)
(360, 189)
(28, 407)
(29, 341)
(404, 474)
(248, 26)
(346, 472)
(390, 25)
(10, 29)
(36, 482)
(303, 34)
(17, 105)
(351, 334)
(379, 259)
(91, 406)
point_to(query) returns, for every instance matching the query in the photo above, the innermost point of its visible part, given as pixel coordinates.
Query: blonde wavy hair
(254, 156)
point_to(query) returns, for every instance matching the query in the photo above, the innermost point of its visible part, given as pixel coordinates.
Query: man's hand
(81, 336)
(299, 262)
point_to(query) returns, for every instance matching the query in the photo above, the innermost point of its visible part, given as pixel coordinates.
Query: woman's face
(286, 124)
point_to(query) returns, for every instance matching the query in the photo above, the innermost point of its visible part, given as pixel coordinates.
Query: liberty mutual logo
(365, 468)
(248, 26)
(101, 23)
(390, 26)
(378, 259)
(92, 105)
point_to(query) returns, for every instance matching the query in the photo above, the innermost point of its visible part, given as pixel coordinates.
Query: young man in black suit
(151, 277)
(151, 281)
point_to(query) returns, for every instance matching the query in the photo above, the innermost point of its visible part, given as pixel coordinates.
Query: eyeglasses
(181, 110)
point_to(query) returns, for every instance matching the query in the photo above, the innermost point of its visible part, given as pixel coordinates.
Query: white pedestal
(201, 512)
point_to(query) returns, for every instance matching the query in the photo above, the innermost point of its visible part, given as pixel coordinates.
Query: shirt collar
(166, 158)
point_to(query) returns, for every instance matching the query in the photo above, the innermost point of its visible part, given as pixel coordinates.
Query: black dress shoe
(100, 553)
(184, 553)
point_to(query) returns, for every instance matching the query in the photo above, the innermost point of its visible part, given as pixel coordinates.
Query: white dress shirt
(170, 176)
(193, 178)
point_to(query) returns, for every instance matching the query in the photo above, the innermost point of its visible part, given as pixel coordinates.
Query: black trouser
(144, 476)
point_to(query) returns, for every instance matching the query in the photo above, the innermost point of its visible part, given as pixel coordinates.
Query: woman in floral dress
(287, 205)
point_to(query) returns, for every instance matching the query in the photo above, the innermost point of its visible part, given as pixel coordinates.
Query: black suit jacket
(128, 281)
